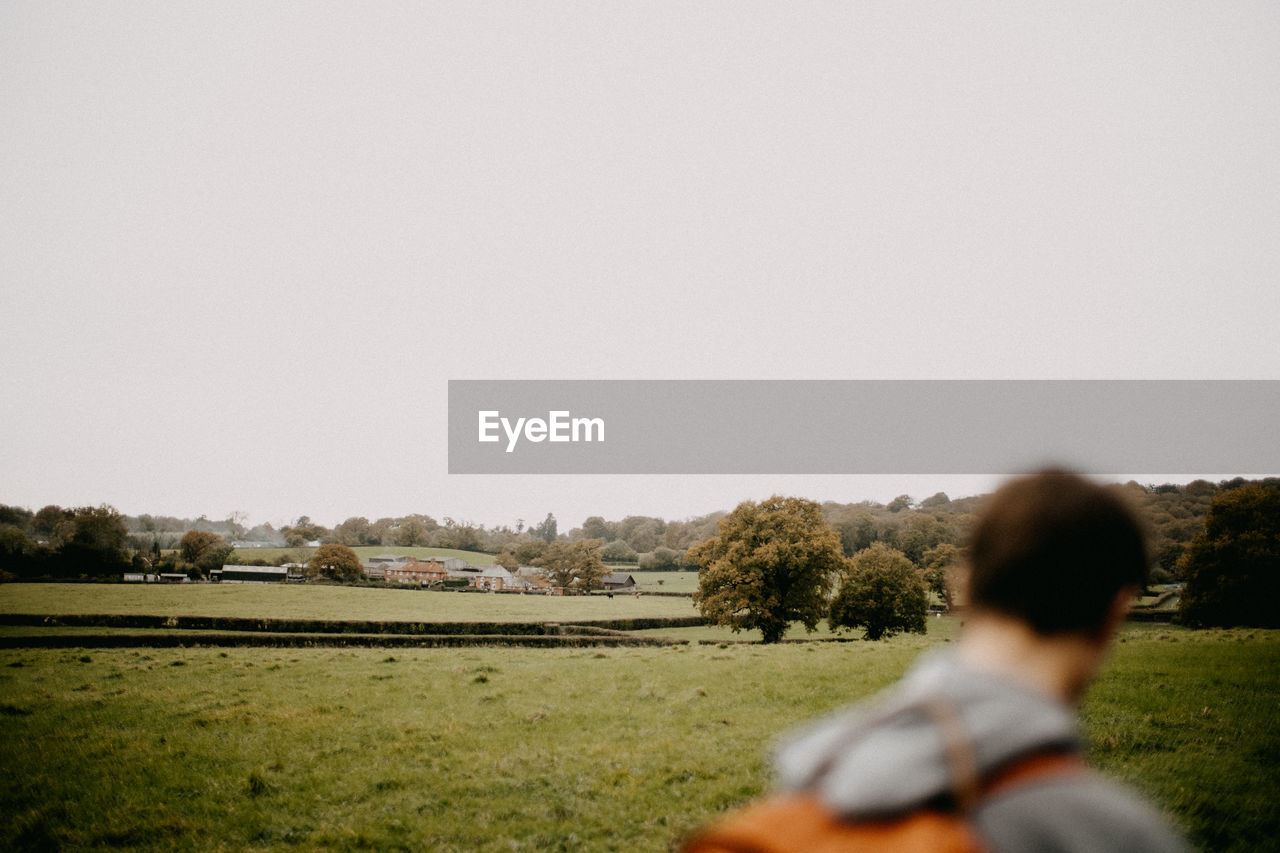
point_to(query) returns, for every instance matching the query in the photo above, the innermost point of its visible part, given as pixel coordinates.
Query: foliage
(335, 562)
(1232, 568)
(546, 531)
(770, 565)
(92, 542)
(938, 563)
(662, 560)
(883, 592)
(573, 564)
(203, 552)
(303, 531)
(618, 551)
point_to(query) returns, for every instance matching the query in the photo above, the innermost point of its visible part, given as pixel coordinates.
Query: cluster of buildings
(400, 570)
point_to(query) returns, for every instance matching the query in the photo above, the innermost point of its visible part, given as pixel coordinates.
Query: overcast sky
(243, 246)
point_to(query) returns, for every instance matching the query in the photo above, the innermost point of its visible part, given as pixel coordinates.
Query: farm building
(530, 577)
(250, 574)
(492, 577)
(618, 580)
(416, 572)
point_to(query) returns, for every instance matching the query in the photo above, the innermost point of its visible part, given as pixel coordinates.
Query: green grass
(532, 749)
(314, 601)
(301, 555)
(1193, 719)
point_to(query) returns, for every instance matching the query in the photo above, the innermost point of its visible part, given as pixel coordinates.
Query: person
(1054, 563)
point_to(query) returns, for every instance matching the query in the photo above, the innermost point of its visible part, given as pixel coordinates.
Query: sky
(245, 245)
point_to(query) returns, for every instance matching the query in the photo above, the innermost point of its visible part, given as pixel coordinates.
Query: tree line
(929, 533)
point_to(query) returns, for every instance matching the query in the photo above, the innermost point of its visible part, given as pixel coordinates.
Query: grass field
(310, 601)
(538, 749)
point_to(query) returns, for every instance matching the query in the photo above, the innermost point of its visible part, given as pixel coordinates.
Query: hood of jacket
(890, 756)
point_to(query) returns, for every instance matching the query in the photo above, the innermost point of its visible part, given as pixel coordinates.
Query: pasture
(502, 748)
(317, 601)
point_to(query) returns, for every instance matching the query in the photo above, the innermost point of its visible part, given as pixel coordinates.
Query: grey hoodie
(888, 757)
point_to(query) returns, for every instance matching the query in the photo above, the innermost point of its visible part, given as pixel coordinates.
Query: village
(399, 570)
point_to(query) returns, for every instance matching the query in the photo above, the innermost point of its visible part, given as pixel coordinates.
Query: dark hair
(1053, 549)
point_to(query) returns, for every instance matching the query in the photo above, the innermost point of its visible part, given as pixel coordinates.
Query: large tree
(1232, 567)
(203, 551)
(569, 563)
(882, 592)
(771, 564)
(335, 562)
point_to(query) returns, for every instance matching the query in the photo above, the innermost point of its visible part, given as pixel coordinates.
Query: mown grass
(545, 749)
(312, 601)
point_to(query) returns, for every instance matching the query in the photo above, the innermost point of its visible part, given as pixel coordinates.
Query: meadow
(315, 601)
(539, 749)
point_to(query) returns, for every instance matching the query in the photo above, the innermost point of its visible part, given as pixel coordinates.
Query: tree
(546, 531)
(335, 562)
(770, 564)
(900, 503)
(415, 530)
(618, 551)
(883, 592)
(92, 542)
(303, 531)
(203, 552)
(596, 527)
(1232, 567)
(566, 563)
(938, 564)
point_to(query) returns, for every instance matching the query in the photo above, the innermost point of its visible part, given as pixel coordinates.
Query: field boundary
(335, 626)
(242, 639)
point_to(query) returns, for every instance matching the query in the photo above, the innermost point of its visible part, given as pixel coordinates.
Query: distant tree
(938, 499)
(1232, 568)
(938, 564)
(354, 531)
(661, 560)
(882, 592)
(573, 563)
(528, 551)
(900, 503)
(18, 554)
(618, 551)
(335, 562)
(507, 560)
(596, 527)
(195, 542)
(303, 531)
(415, 530)
(857, 531)
(47, 521)
(770, 564)
(93, 542)
(546, 531)
(200, 552)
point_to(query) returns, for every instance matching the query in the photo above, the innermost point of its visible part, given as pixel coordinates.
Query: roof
(617, 577)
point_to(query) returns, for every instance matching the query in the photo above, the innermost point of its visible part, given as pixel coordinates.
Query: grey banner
(862, 427)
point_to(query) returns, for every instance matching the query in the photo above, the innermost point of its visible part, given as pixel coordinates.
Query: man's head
(1053, 550)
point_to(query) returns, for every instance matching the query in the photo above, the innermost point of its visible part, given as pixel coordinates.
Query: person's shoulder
(1082, 813)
